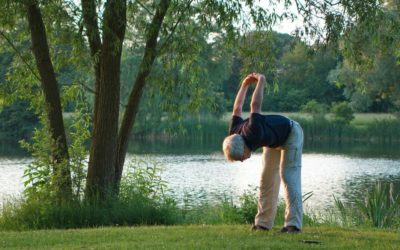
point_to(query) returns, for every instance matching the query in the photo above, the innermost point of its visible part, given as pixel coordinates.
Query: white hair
(233, 147)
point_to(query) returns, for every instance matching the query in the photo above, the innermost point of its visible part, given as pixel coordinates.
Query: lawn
(201, 237)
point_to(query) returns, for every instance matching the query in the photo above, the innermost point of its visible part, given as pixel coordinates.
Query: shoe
(290, 229)
(258, 228)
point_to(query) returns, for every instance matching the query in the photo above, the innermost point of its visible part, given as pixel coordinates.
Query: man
(282, 142)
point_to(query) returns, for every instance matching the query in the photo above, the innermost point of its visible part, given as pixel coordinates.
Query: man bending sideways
(282, 143)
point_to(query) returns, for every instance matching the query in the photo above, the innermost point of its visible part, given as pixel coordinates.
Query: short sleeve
(234, 125)
(256, 119)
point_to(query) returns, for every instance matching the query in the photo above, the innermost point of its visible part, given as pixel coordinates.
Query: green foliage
(371, 88)
(381, 205)
(317, 110)
(79, 133)
(39, 174)
(248, 204)
(303, 75)
(142, 201)
(379, 208)
(194, 60)
(342, 113)
(258, 53)
(370, 68)
(17, 122)
(143, 176)
(44, 214)
(190, 82)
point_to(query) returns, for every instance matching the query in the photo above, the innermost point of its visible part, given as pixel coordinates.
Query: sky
(286, 26)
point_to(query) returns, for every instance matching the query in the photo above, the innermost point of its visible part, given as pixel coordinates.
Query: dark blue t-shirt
(261, 130)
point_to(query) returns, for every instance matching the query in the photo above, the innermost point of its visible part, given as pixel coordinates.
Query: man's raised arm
(257, 97)
(241, 95)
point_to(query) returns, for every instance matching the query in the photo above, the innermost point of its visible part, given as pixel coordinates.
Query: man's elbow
(237, 110)
(255, 107)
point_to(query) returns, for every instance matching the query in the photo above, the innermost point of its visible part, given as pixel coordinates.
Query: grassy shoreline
(359, 118)
(371, 128)
(201, 237)
(205, 127)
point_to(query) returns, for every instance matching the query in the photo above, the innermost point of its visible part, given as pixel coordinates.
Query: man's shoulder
(235, 124)
(257, 117)
(276, 117)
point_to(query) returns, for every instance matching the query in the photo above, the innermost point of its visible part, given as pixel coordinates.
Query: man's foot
(290, 229)
(255, 227)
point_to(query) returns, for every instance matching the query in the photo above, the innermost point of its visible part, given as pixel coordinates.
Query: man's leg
(269, 188)
(291, 177)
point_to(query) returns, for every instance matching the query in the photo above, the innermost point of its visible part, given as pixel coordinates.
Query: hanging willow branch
(20, 55)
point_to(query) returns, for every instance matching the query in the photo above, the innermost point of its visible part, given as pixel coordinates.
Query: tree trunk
(101, 172)
(40, 48)
(140, 81)
(92, 31)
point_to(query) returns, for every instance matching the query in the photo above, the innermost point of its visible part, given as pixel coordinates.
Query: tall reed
(381, 131)
(379, 208)
(209, 129)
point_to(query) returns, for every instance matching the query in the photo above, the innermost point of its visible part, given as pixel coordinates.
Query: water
(345, 171)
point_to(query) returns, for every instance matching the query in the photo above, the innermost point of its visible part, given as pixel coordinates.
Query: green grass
(364, 118)
(359, 118)
(367, 127)
(200, 237)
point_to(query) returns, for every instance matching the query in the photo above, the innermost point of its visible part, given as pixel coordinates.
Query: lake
(344, 170)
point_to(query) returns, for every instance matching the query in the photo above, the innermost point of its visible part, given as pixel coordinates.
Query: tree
(370, 70)
(370, 89)
(342, 113)
(317, 110)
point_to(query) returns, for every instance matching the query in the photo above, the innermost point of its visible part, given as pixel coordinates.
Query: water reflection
(185, 146)
(12, 150)
(358, 149)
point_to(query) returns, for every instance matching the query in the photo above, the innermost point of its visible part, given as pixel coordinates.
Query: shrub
(142, 201)
(342, 113)
(316, 109)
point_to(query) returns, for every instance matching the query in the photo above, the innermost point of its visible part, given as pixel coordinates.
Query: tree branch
(132, 108)
(92, 27)
(144, 7)
(20, 55)
(164, 45)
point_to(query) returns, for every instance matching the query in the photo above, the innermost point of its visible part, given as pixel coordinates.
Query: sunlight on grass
(200, 237)
(359, 118)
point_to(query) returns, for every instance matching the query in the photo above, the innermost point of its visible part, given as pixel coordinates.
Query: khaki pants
(283, 163)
